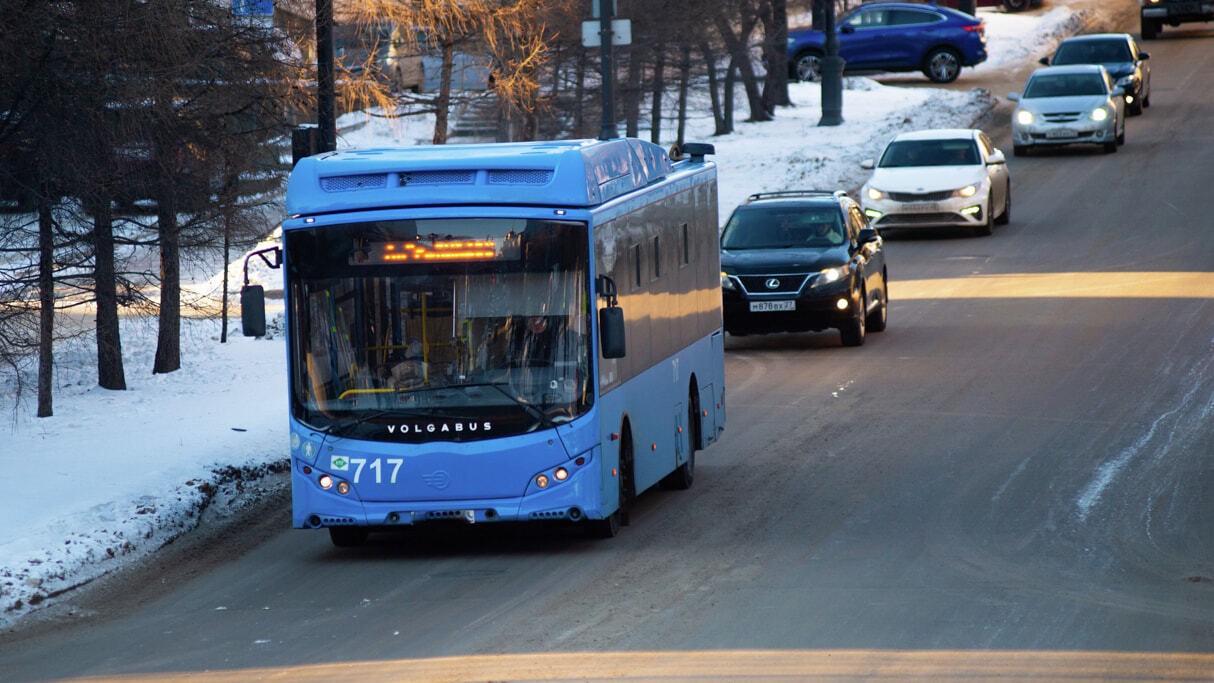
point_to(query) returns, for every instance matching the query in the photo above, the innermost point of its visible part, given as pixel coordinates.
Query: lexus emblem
(772, 283)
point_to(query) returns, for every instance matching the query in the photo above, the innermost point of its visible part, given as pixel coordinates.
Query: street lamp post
(326, 118)
(832, 72)
(607, 73)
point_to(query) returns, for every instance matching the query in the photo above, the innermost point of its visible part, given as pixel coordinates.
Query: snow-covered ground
(115, 475)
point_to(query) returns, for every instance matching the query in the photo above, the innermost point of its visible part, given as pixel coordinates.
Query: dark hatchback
(890, 36)
(1119, 55)
(803, 261)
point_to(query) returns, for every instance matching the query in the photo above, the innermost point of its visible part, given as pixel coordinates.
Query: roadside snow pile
(117, 474)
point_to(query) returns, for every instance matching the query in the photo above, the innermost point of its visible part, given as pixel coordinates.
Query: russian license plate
(766, 306)
(921, 207)
(1056, 133)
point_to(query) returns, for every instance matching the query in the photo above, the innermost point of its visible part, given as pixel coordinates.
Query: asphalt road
(1015, 479)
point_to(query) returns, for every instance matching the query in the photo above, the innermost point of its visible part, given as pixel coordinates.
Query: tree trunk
(110, 374)
(775, 48)
(684, 78)
(736, 44)
(731, 81)
(442, 105)
(168, 338)
(46, 303)
(632, 93)
(579, 93)
(655, 112)
(227, 249)
(714, 95)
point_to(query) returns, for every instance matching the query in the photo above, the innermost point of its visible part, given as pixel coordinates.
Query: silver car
(1066, 105)
(938, 178)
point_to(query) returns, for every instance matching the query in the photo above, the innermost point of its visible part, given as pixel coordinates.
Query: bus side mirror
(611, 319)
(253, 297)
(253, 311)
(611, 331)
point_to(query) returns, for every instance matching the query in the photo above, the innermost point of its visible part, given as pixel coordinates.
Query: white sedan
(938, 178)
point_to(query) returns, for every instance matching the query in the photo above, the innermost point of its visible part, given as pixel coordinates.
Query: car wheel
(1150, 29)
(853, 332)
(878, 319)
(610, 526)
(1121, 135)
(808, 67)
(348, 536)
(1007, 206)
(942, 65)
(1146, 99)
(1020, 150)
(1016, 5)
(985, 228)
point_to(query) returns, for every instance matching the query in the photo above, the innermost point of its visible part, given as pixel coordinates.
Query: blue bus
(497, 332)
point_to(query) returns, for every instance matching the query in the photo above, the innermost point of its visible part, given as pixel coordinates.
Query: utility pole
(832, 71)
(606, 71)
(326, 119)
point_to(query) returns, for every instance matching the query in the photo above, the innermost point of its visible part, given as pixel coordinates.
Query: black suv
(802, 260)
(1156, 13)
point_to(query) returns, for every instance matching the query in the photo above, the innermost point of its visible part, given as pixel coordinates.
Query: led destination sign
(430, 251)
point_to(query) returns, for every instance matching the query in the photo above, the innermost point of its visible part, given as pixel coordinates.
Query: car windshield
(783, 227)
(1065, 85)
(484, 319)
(956, 152)
(1093, 52)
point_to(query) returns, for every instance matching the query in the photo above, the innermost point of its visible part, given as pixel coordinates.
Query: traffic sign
(621, 33)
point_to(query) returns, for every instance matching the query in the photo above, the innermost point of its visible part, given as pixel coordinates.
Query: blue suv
(895, 36)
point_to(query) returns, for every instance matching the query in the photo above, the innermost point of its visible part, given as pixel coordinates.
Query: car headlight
(1099, 114)
(875, 194)
(1024, 117)
(967, 191)
(726, 281)
(829, 275)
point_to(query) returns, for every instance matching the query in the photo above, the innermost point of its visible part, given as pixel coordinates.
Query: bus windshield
(439, 329)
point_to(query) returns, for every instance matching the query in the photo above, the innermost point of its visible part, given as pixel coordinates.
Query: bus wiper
(500, 387)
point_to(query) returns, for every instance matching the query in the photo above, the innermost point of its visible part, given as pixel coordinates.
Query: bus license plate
(764, 306)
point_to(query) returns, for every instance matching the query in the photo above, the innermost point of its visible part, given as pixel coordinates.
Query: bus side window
(657, 258)
(686, 247)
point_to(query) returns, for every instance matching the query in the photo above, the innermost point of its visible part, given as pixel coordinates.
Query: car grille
(789, 283)
(1061, 116)
(1082, 135)
(920, 197)
(918, 218)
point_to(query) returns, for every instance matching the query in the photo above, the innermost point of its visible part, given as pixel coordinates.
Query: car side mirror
(1044, 60)
(1014, 97)
(996, 157)
(1118, 90)
(1143, 55)
(867, 235)
(847, 28)
(868, 164)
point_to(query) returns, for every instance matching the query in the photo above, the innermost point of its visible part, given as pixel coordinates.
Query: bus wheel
(347, 536)
(685, 475)
(610, 525)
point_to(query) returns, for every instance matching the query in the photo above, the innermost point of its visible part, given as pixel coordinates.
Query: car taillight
(978, 28)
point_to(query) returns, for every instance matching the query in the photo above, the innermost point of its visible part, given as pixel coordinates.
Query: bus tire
(610, 526)
(348, 536)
